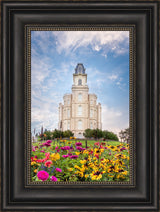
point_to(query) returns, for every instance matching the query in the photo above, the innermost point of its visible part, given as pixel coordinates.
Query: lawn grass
(89, 142)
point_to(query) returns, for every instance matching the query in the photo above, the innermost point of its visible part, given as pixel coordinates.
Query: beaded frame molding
(132, 99)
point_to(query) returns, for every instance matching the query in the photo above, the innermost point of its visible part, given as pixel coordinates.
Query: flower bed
(73, 161)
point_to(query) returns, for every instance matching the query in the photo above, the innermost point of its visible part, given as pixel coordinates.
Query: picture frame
(16, 194)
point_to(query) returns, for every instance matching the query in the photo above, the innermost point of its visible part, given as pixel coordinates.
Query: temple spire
(80, 69)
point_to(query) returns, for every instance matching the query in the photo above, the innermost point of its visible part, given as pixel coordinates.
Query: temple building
(80, 110)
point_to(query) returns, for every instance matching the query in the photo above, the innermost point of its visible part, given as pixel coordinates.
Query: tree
(48, 134)
(67, 134)
(57, 134)
(88, 133)
(97, 133)
(110, 135)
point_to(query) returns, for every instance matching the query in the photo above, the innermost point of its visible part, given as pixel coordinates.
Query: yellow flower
(113, 148)
(70, 169)
(79, 173)
(55, 156)
(83, 161)
(96, 175)
(85, 152)
(83, 168)
(35, 171)
(77, 153)
(77, 167)
(98, 151)
(86, 175)
(33, 163)
(120, 176)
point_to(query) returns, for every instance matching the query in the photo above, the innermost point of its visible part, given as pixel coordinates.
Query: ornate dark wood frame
(144, 195)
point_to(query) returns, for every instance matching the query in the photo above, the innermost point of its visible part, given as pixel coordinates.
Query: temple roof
(80, 69)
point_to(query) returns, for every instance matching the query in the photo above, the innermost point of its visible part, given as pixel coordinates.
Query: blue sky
(54, 56)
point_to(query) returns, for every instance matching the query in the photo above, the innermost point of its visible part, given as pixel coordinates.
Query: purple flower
(58, 170)
(42, 151)
(74, 156)
(47, 144)
(54, 179)
(69, 153)
(80, 148)
(48, 141)
(65, 156)
(123, 148)
(65, 148)
(42, 175)
(78, 144)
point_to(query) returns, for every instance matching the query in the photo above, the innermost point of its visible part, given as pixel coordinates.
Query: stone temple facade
(80, 110)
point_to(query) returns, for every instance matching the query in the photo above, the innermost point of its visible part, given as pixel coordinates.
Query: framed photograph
(84, 141)
(80, 106)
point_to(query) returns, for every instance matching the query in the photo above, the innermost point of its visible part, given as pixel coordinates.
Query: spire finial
(80, 69)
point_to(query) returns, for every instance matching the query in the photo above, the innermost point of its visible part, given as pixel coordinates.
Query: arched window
(80, 125)
(79, 97)
(79, 110)
(68, 127)
(68, 113)
(91, 113)
(79, 82)
(91, 125)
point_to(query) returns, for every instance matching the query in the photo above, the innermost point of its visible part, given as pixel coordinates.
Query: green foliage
(110, 135)
(57, 134)
(67, 134)
(88, 133)
(48, 134)
(97, 133)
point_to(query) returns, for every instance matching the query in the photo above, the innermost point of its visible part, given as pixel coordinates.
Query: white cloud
(113, 77)
(114, 120)
(97, 48)
(105, 41)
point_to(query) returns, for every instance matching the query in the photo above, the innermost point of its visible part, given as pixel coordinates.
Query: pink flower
(47, 144)
(65, 156)
(123, 148)
(39, 161)
(42, 175)
(80, 148)
(48, 141)
(48, 163)
(78, 144)
(42, 151)
(97, 143)
(74, 156)
(47, 155)
(58, 170)
(56, 147)
(65, 148)
(109, 153)
(54, 179)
